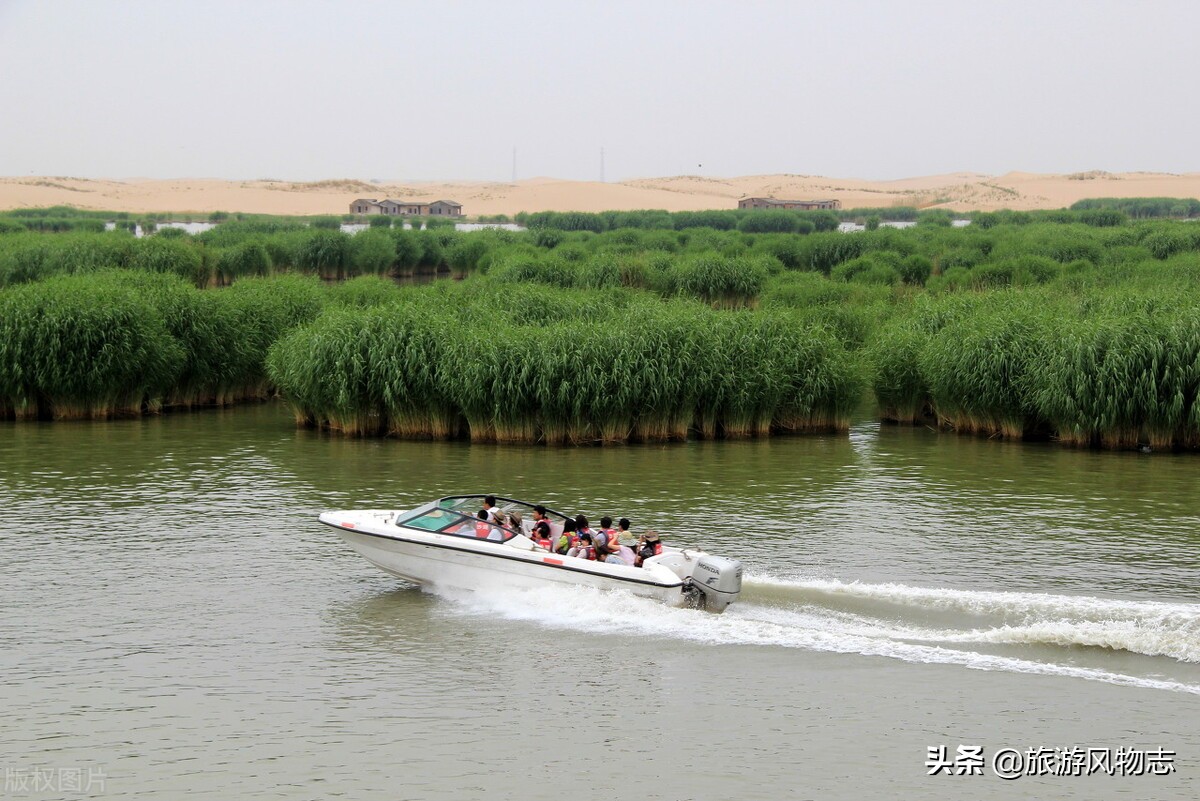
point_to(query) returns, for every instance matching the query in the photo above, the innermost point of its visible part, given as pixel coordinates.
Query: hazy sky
(442, 89)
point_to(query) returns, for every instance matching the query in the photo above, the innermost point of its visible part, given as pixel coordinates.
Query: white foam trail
(1182, 643)
(983, 602)
(585, 609)
(1114, 635)
(1151, 628)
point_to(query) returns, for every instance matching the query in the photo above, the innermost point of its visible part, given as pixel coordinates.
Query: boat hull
(441, 564)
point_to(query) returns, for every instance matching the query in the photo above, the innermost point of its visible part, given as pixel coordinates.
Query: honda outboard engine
(717, 580)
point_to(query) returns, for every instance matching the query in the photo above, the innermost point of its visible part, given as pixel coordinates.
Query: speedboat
(443, 543)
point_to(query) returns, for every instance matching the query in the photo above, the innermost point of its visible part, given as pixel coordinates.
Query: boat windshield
(470, 504)
(458, 524)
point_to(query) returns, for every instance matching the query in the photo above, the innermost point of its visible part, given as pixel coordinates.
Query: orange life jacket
(482, 529)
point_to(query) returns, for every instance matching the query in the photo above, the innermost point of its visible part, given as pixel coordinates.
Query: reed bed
(74, 348)
(1117, 370)
(900, 387)
(123, 343)
(1125, 380)
(213, 338)
(721, 281)
(364, 292)
(244, 260)
(979, 368)
(1079, 326)
(726, 282)
(416, 371)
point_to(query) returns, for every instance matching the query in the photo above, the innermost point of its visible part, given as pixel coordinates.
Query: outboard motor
(717, 580)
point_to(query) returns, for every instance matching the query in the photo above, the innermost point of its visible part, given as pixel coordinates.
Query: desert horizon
(959, 191)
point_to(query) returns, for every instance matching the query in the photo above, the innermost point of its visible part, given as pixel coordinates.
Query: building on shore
(403, 208)
(772, 203)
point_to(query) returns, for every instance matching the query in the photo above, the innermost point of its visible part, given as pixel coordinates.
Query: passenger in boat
(605, 538)
(648, 546)
(489, 506)
(621, 554)
(484, 529)
(515, 522)
(568, 539)
(606, 527)
(540, 516)
(624, 535)
(599, 540)
(483, 526)
(626, 538)
(541, 534)
(581, 525)
(586, 549)
(600, 543)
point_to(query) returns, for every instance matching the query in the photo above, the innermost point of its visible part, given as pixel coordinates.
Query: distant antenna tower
(514, 180)
(601, 165)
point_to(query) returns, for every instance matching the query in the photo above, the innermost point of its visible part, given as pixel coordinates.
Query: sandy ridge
(959, 191)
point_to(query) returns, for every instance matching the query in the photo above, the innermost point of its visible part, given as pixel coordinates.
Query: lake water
(354, 228)
(347, 228)
(851, 227)
(174, 619)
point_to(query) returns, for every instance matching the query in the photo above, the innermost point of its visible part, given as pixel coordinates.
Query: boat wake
(1058, 635)
(1149, 628)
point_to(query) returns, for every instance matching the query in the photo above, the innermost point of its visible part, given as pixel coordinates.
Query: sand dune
(959, 191)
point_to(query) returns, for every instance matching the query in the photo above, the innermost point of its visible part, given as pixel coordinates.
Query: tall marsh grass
(77, 347)
(122, 343)
(1074, 325)
(1109, 369)
(643, 373)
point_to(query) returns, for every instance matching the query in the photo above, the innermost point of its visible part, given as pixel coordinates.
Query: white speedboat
(443, 543)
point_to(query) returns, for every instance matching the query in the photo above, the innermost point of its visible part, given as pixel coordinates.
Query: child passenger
(484, 529)
(585, 549)
(541, 534)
